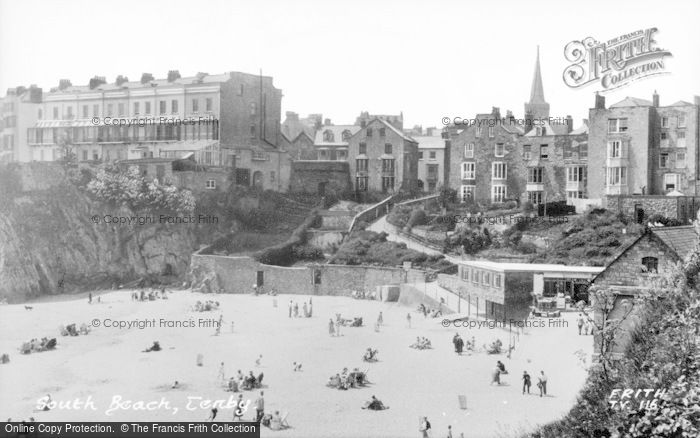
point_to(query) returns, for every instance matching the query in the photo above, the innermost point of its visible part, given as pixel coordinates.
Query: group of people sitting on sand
(71, 330)
(152, 295)
(239, 382)
(347, 380)
(36, 345)
(496, 347)
(363, 295)
(434, 313)
(275, 421)
(206, 306)
(354, 322)
(370, 355)
(154, 347)
(422, 343)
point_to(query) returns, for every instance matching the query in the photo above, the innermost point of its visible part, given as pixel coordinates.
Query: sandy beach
(109, 363)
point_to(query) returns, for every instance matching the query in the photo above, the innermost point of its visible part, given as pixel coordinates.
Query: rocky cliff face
(50, 243)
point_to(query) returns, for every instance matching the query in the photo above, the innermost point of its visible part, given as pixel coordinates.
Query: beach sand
(109, 363)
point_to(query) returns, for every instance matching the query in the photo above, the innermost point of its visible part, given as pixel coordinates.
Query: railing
(372, 213)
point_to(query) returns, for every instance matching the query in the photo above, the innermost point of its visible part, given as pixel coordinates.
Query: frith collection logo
(616, 62)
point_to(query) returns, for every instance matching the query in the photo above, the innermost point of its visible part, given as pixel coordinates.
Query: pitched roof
(337, 131)
(682, 103)
(430, 141)
(537, 90)
(583, 129)
(398, 132)
(631, 101)
(682, 240)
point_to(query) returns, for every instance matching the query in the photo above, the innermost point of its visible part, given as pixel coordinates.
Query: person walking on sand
(296, 309)
(212, 415)
(408, 318)
(496, 376)
(380, 319)
(331, 327)
(290, 308)
(424, 427)
(542, 383)
(221, 375)
(238, 409)
(231, 326)
(258, 361)
(449, 431)
(580, 323)
(337, 327)
(259, 407)
(526, 382)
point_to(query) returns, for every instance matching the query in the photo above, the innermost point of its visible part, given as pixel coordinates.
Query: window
(534, 175)
(55, 113)
(617, 176)
(272, 176)
(388, 166)
(680, 139)
(497, 280)
(211, 184)
(387, 148)
(526, 152)
(469, 170)
(420, 155)
(323, 153)
(328, 136)
(162, 107)
(95, 110)
(253, 109)
(469, 150)
(253, 130)
(136, 108)
(664, 139)
(681, 120)
(544, 152)
(499, 170)
(663, 160)
(465, 274)
(342, 155)
(575, 174)
(361, 183)
(466, 193)
(85, 111)
(433, 155)
(120, 109)
(195, 105)
(651, 264)
(363, 148)
(110, 109)
(85, 155)
(535, 197)
(382, 132)
(664, 122)
(209, 104)
(346, 135)
(475, 276)
(574, 194)
(498, 193)
(147, 107)
(500, 150)
(614, 149)
(478, 132)
(369, 132)
(672, 181)
(174, 106)
(486, 279)
(492, 132)
(240, 90)
(680, 160)
(617, 125)
(40, 113)
(362, 164)
(387, 183)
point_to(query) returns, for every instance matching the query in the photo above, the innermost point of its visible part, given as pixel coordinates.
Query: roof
(682, 103)
(430, 142)
(682, 240)
(631, 101)
(390, 126)
(531, 267)
(557, 129)
(537, 90)
(583, 129)
(337, 131)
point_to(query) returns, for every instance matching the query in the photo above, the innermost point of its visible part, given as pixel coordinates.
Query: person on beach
(496, 376)
(311, 308)
(337, 327)
(290, 308)
(526, 382)
(89, 297)
(296, 309)
(408, 318)
(259, 407)
(305, 308)
(449, 431)
(212, 415)
(238, 410)
(258, 360)
(542, 383)
(331, 327)
(380, 319)
(579, 322)
(458, 343)
(424, 427)
(231, 326)
(221, 375)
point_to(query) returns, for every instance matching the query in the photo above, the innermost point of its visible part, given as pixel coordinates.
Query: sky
(428, 59)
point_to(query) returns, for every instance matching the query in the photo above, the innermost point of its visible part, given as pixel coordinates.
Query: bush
(526, 247)
(307, 252)
(418, 217)
(528, 207)
(399, 215)
(665, 221)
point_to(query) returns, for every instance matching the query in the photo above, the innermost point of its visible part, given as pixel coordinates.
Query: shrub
(418, 217)
(307, 252)
(399, 216)
(528, 207)
(526, 247)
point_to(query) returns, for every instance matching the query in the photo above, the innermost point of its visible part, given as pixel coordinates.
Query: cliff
(50, 244)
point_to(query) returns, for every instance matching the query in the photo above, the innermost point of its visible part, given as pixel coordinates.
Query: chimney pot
(599, 101)
(146, 78)
(655, 99)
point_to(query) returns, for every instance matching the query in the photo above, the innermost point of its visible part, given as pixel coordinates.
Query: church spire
(537, 91)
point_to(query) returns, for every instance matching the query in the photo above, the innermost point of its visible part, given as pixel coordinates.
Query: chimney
(496, 112)
(63, 84)
(585, 122)
(35, 94)
(120, 80)
(569, 123)
(430, 131)
(510, 116)
(655, 99)
(327, 122)
(173, 75)
(292, 116)
(599, 101)
(146, 78)
(97, 81)
(200, 77)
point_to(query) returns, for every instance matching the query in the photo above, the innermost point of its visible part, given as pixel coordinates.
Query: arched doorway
(258, 179)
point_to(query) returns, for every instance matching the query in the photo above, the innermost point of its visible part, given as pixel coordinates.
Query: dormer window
(328, 136)
(346, 135)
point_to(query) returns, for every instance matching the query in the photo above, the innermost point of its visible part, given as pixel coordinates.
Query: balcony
(534, 187)
(616, 190)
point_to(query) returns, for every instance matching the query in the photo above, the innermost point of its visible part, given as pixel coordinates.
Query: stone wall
(197, 181)
(682, 208)
(412, 296)
(310, 176)
(326, 240)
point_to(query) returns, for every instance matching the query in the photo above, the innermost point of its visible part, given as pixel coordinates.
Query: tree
(65, 143)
